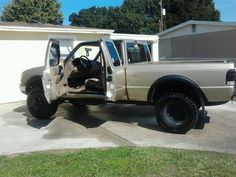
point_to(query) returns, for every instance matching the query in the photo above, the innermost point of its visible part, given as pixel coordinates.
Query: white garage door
(19, 55)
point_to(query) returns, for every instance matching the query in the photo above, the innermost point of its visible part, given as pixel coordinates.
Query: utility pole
(161, 21)
(163, 13)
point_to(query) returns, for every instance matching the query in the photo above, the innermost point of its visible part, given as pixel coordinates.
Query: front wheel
(176, 112)
(38, 105)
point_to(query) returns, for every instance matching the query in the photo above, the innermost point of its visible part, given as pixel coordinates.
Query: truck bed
(194, 60)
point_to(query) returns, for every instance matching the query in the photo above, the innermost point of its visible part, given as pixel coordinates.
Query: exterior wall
(24, 50)
(206, 45)
(165, 48)
(213, 28)
(209, 45)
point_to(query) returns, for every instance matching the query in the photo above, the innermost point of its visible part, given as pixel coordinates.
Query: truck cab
(94, 70)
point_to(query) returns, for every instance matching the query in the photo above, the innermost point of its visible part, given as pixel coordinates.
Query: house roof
(192, 22)
(36, 27)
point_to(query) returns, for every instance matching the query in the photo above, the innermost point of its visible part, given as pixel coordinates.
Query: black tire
(202, 116)
(176, 112)
(38, 105)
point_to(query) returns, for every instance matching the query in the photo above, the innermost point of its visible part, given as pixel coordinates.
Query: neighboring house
(23, 46)
(199, 39)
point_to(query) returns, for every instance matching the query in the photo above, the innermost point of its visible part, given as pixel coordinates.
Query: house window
(194, 28)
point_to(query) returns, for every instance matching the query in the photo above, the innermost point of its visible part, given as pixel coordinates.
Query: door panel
(51, 73)
(137, 73)
(116, 85)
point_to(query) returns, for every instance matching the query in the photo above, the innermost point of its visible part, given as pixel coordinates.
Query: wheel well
(175, 85)
(34, 82)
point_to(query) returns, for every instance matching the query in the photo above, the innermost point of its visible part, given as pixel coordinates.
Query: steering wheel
(82, 63)
(85, 62)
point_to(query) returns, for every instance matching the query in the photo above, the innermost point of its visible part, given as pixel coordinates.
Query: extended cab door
(115, 72)
(51, 70)
(138, 60)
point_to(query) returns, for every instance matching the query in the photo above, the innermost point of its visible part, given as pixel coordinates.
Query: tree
(96, 17)
(33, 11)
(179, 11)
(139, 16)
(148, 11)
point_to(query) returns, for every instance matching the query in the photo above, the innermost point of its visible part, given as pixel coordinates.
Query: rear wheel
(202, 119)
(176, 112)
(38, 105)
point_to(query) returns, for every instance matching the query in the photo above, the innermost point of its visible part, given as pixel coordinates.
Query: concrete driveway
(109, 125)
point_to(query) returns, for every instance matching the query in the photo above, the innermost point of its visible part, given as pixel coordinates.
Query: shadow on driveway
(94, 116)
(31, 121)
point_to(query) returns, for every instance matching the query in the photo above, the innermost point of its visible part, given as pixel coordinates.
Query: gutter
(54, 30)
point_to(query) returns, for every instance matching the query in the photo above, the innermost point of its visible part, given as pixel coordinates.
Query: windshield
(89, 49)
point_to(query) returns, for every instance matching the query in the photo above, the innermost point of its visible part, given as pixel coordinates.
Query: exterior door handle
(109, 78)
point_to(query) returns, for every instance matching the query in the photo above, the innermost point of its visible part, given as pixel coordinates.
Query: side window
(114, 55)
(118, 45)
(54, 55)
(138, 53)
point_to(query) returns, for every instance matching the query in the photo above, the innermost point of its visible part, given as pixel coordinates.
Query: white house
(23, 46)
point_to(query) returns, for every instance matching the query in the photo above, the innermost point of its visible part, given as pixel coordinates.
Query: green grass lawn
(119, 162)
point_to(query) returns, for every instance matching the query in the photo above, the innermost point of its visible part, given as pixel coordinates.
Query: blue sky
(69, 6)
(226, 7)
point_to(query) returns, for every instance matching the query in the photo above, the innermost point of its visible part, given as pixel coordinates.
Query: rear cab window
(138, 52)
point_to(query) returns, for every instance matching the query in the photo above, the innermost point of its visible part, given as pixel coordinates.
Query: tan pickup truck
(105, 71)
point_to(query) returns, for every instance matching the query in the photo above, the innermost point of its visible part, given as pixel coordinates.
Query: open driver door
(51, 71)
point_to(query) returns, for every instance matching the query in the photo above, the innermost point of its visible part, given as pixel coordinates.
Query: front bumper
(23, 88)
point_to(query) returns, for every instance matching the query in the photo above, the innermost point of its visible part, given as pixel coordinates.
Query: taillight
(230, 77)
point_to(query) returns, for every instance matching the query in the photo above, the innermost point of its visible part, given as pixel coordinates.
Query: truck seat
(93, 84)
